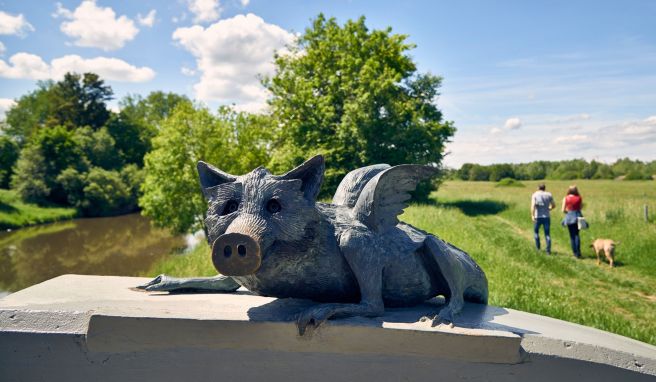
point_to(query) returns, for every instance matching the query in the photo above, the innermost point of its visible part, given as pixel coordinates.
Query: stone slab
(94, 318)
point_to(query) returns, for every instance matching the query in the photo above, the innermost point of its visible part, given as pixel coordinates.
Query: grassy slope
(14, 213)
(493, 225)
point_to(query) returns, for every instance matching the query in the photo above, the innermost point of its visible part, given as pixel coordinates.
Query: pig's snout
(235, 254)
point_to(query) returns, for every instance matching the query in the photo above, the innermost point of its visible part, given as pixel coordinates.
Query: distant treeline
(558, 170)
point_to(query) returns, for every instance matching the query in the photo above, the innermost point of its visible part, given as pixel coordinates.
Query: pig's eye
(273, 206)
(230, 207)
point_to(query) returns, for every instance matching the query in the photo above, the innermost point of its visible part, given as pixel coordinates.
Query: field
(15, 214)
(493, 224)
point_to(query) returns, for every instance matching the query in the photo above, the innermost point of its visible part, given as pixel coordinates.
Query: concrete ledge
(81, 327)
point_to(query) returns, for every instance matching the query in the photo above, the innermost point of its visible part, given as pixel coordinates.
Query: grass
(494, 226)
(14, 213)
(197, 262)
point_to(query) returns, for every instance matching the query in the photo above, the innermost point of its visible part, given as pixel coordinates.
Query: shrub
(509, 182)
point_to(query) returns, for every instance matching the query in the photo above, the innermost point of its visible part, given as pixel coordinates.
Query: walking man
(541, 204)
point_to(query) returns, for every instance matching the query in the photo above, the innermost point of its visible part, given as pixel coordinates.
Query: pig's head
(247, 214)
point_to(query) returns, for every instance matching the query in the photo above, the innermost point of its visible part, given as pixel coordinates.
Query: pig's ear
(211, 176)
(311, 175)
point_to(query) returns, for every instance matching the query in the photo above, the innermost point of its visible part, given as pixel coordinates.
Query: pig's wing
(351, 186)
(385, 196)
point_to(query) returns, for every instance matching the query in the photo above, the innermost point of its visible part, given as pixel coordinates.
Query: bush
(509, 182)
(637, 175)
(105, 193)
(101, 192)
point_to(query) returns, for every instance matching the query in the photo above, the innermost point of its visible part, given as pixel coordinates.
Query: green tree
(80, 100)
(138, 121)
(98, 147)
(463, 173)
(45, 157)
(501, 171)
(75, 101)
(479, 173)
(153, 109)
(235, 142)
(355, 96)
(8, 157)
(31, 112)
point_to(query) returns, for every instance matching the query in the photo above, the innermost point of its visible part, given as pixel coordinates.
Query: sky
(522, 81)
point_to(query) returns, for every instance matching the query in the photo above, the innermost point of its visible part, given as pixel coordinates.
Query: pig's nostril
(241, 250)
(227, 251)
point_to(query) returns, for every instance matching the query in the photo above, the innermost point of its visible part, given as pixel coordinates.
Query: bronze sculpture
(269, 234)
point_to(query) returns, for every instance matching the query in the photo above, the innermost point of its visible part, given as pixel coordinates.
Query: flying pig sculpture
(270, 235)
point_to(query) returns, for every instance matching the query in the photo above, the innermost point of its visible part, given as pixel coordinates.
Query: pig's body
(270, 235)
(321, 273)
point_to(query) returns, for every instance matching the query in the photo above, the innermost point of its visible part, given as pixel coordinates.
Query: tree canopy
(74, 151)
(353, 95)
(234, 142)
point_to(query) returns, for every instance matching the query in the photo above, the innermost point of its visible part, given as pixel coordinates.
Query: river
(125, 245)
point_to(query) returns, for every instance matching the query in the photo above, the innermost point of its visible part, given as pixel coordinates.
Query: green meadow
(493, 224)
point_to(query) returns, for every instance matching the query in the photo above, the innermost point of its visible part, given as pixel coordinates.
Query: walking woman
(572, 204)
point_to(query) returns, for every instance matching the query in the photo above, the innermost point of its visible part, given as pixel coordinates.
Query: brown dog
(607, 246)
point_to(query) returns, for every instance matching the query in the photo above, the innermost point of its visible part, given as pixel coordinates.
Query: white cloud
(599, 138)
(230, 54)
(14, 25)
(25, 65)
(205, 10)
(5, 104)
(187, 71)
(495, 130)
(96, 27)
(30, 66)
(513, 123)
(651, 120)
(571, 138)
(244, 3)
(2, 48)
(108, 68)
(148, 20)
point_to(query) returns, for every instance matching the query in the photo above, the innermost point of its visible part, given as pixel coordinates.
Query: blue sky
(522, 80)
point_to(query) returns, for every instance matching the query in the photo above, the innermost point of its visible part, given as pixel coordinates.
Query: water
(123, 246)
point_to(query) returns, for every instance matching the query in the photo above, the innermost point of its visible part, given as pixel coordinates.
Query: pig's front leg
(216, 284)
(366, 262)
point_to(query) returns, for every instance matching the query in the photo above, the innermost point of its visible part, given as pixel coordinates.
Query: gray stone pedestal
(94, 328)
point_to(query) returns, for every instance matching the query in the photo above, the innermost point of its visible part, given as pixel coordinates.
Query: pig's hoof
(445, 316)
(314, 316)
(161, 283)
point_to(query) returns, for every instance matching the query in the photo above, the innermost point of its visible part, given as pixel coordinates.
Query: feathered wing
(385, 196)
(351, 186)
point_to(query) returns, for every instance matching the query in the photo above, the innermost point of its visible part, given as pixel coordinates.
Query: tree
(153, 109)
(138, 122)
(42, 160)
(75, 101)
(501, 171)
(355, 96)
(80, 101)
(8, 157)
(234, 142)
(30, 113)
(463, 173)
